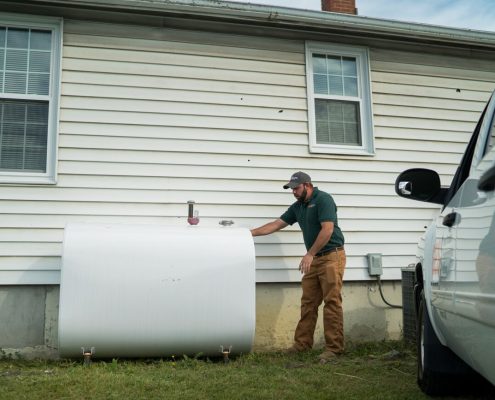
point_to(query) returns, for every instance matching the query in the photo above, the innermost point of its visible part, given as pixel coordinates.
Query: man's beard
(302, 197)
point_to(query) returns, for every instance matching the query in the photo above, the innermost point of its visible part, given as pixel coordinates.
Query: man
(322, 266)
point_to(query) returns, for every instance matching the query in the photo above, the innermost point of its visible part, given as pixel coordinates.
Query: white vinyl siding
(339, 99)
(29, 76)
(151, 118)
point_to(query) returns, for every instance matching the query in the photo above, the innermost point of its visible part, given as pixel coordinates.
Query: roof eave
(290, 18)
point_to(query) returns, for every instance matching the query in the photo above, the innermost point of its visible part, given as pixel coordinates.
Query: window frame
(361, 54)
(55, 25)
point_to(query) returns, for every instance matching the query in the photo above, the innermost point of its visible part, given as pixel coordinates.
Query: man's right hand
(271, 227)
(305, 264)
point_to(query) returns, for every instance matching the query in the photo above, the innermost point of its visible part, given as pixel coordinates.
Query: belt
(324, 253)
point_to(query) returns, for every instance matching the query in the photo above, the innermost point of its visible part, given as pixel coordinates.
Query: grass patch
(382, 371)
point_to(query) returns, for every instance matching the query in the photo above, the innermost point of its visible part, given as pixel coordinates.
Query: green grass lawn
(367, 371)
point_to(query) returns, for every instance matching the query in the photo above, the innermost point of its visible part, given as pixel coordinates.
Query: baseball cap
(296, 179)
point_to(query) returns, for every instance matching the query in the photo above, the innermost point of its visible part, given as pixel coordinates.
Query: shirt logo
(311, 205)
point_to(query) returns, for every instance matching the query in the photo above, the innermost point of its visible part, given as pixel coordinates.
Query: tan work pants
(323, 282)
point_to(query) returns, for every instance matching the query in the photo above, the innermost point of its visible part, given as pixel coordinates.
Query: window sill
(24, 179)
(348, 151)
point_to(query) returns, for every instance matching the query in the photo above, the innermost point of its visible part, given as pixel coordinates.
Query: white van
(455, 269)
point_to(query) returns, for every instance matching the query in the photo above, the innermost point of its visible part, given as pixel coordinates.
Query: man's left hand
(305, 263)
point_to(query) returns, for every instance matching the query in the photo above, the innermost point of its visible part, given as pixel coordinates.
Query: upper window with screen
(339, 99)
(29, 74)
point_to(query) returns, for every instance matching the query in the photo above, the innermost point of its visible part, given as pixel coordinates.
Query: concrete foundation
(29, 321)
(366, 316)
(29, 317)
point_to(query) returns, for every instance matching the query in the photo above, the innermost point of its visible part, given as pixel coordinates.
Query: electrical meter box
(374, 264)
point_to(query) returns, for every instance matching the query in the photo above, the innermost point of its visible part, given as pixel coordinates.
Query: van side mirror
(420, 184)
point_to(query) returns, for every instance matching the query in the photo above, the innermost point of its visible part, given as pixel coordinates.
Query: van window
(485, 135)
(475, 149)
(491, 138)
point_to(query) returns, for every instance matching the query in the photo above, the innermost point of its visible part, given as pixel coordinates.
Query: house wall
(152, 117)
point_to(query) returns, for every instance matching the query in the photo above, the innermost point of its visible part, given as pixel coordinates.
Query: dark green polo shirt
(309, 215)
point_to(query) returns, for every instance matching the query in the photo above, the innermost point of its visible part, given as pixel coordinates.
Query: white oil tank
(156, 291)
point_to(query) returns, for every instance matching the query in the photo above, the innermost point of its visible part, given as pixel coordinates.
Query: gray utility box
(375, 264)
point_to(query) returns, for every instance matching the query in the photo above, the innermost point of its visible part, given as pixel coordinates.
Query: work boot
(327, 356)
(294, 350)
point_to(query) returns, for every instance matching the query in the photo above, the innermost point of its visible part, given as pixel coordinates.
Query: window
(29, 74)
(339, 99)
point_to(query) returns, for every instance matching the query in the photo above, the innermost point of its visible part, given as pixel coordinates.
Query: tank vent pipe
(192, 216)
(190, 208)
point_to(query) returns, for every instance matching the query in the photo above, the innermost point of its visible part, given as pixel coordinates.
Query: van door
(444, 260)
(474, 296)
